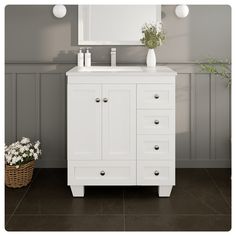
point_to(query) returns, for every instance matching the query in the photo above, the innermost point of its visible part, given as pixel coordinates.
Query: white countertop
(119, 70)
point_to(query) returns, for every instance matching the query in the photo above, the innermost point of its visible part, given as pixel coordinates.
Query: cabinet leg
(164, 190)
(77, 191)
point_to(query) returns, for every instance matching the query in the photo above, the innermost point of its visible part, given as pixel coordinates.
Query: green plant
(219, 68)
(153, 35)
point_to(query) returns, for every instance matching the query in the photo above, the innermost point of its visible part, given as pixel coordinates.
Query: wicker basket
(19, 177)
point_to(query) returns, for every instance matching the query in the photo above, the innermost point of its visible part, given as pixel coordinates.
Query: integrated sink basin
(92, 70)
(110, 69)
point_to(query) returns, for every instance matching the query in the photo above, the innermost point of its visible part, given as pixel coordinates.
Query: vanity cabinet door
(84, 122)
(119, 122)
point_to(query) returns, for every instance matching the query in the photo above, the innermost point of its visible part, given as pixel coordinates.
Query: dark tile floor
(201, 200)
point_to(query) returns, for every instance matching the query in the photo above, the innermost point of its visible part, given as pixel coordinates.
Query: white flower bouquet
(22, 152)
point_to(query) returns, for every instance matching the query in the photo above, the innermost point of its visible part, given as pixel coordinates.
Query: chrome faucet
(113, 56)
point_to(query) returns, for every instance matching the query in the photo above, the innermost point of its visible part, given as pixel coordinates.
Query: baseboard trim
(203, 164)
(51, 164)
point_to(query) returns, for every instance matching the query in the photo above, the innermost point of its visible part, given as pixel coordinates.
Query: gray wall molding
(35, 81)
(203, 133)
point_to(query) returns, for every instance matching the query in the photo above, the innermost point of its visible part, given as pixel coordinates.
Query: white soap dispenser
(87, 58)
(80, 58)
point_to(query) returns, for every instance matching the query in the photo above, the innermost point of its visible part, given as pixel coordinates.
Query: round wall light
(181, 11)
(59, 11)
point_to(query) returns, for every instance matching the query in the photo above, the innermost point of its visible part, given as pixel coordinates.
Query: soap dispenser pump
(87, 58)
(80, 58)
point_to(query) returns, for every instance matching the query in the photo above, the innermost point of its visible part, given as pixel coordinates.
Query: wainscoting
(35, 107)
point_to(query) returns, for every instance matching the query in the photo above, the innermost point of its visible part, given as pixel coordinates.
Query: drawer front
(156, 96)
(101, 173)
(156, 147)
(156, 121)
(155, 173)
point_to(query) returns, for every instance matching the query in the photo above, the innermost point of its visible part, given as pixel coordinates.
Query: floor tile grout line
(124, 208)
(22, 197)
(133, 214)
(124, 213)
(6, 223)
(203, 202)
(217, 187)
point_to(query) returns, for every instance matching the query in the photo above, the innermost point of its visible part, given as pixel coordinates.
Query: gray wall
(41, 48)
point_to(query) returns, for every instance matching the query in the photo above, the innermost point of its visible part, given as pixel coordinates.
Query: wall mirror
(114, 24)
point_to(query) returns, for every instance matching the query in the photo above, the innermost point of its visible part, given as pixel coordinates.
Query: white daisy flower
(25, 140)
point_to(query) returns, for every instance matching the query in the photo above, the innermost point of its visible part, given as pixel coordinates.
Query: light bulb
(181, 11)
(59, 11)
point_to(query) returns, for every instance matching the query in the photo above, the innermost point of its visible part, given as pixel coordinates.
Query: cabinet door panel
(84, 122)
(119, 122)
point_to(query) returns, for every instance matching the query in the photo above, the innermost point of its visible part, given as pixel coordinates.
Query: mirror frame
(82, 42)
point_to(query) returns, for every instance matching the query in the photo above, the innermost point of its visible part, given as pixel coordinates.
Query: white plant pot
(151, 58)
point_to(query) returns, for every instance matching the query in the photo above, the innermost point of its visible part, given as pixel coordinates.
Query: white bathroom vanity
(121, 127)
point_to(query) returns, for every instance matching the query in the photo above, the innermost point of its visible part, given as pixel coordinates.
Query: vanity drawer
(156, 147)
(156, 121)
(156, 96)
(101, 173)
(156, 173)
